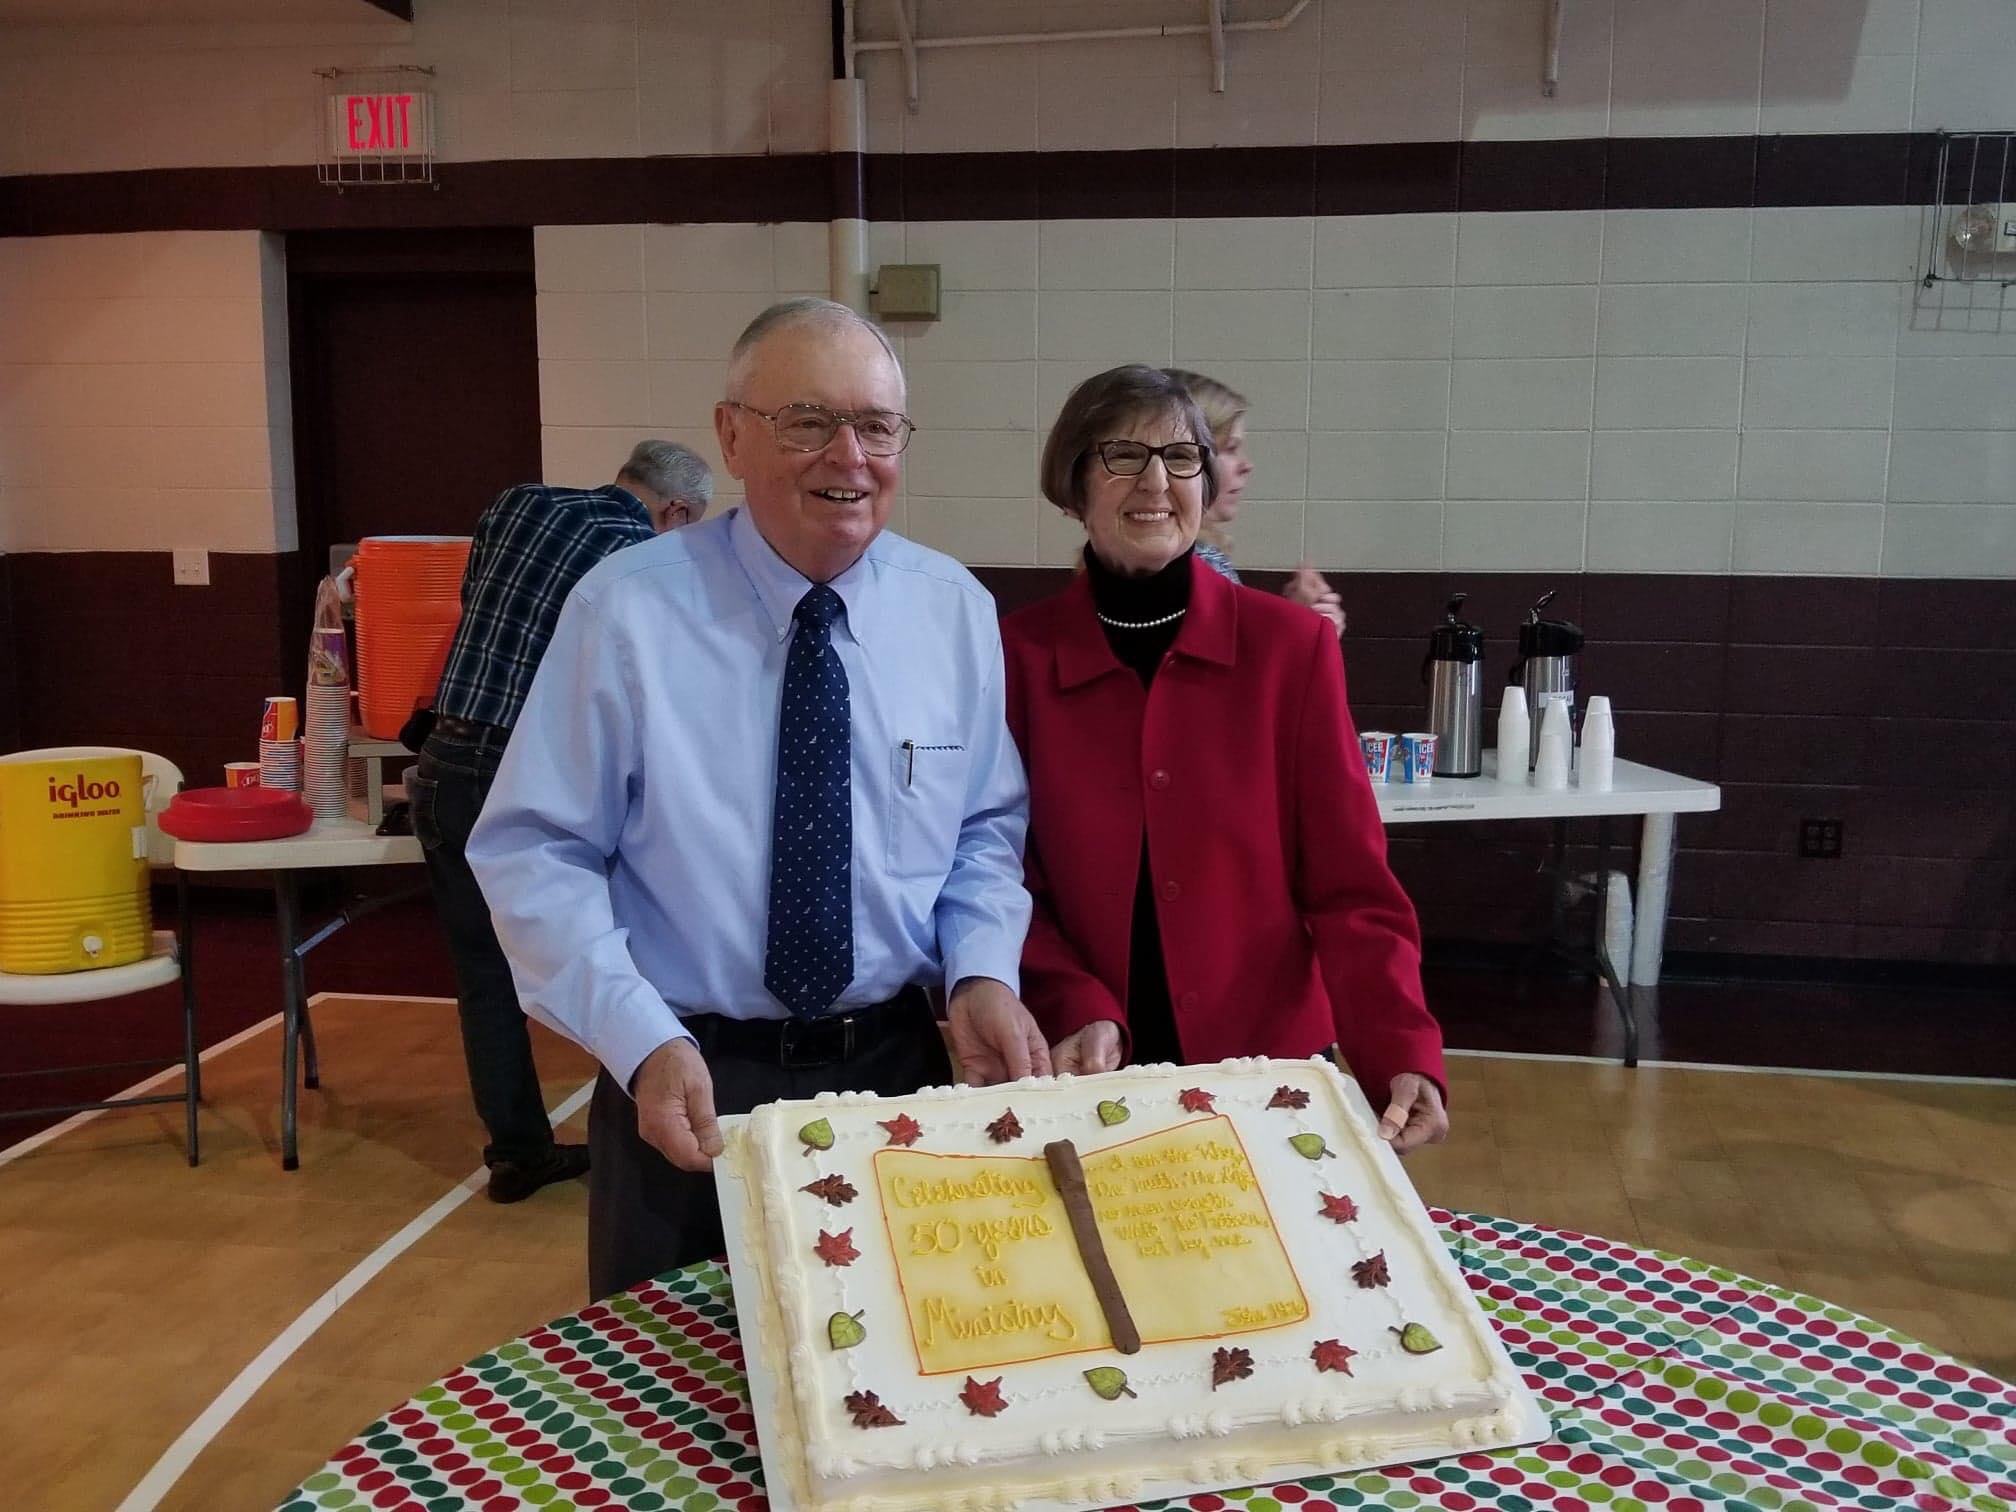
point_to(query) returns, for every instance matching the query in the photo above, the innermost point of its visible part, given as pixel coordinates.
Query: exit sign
(389, 124)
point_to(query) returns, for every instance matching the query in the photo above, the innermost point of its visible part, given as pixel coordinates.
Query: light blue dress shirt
(625, 846)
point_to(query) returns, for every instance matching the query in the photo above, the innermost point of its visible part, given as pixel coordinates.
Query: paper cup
(1378, 748)
(241, 774)
(281, 719)
(280, 764)
(1417, 756)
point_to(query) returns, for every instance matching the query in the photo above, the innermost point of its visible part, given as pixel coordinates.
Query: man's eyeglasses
(812, 427)
(1127, 459)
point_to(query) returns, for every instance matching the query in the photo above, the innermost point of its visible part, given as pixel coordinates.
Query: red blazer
(1282, 927)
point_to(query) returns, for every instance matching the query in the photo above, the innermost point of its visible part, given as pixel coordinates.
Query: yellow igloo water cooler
(73, 861)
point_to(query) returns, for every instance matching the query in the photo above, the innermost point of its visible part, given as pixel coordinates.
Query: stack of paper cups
(1550, 771)
(328, 789)
(280, 764)
(1515, 738)
(1599, 747)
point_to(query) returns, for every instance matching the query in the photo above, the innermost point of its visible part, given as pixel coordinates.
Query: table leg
(1655, 872)
(192, 1067)
(1620, 994)
(311, 1072)
(287, 907)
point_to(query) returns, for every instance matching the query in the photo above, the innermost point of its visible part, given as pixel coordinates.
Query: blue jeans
(447, 788)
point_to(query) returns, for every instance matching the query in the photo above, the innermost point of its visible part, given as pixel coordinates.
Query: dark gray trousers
(645, 1216)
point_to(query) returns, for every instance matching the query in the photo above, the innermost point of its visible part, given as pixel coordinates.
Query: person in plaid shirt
(531, 547)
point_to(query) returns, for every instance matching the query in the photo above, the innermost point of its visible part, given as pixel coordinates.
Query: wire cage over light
(377, 126)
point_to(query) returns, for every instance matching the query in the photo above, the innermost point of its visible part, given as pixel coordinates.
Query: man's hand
(1415, 1116)
(1096, 1047)
(994, 1039)
(674, 1092)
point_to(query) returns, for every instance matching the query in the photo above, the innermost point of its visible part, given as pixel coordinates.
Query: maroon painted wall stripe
(1888, 704)
(1588, 173)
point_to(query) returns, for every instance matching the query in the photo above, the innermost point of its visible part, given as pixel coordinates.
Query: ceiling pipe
(909, 44)
(1550, 72)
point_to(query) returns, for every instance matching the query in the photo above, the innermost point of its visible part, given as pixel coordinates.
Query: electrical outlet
(192, 569)
(1820, 839)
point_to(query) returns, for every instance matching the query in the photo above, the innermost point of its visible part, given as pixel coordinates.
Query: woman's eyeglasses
(1128, 459)
(812, 427)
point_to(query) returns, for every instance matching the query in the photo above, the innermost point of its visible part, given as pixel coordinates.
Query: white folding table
(1653, 795)
(343, 844)
(329, 845)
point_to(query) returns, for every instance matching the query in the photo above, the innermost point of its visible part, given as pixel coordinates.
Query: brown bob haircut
(1100, 409)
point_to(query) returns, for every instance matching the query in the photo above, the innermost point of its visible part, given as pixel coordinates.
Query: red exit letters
(378, 123)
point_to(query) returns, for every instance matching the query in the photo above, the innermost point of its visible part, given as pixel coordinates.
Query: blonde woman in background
(1224, 410)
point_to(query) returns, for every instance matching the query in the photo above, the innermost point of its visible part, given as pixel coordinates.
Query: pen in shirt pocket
(910, 748)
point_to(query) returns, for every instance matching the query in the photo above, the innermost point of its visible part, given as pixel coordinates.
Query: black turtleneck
(1151, 1021)
(1140, 601)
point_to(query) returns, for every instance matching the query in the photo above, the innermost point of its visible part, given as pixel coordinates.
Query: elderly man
(531, 547)
(761, 797)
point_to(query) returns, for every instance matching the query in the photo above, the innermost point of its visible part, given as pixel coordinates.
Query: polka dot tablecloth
(1672, 1385)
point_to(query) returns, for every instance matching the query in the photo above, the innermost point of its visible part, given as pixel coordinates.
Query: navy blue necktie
(809, 958)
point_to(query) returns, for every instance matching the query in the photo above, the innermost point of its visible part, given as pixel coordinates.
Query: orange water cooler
(408, 594)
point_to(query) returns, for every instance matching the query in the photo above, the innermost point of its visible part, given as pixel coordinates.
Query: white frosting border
(826, 1463)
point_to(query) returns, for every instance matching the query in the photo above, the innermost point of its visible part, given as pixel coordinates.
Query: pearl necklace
(1107, 619)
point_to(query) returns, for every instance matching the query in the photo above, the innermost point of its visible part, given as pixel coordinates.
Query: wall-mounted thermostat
(906, 291)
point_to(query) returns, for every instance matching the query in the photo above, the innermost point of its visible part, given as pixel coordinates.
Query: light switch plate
(192, 569)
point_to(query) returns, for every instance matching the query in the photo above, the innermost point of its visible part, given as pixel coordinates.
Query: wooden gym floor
(152, 1321)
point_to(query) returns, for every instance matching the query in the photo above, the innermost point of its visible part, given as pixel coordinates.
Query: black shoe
(514, 1181)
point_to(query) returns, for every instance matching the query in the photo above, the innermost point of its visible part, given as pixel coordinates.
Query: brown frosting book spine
(1069, 1175)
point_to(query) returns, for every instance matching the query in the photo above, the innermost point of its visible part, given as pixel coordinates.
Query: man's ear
(724, 434)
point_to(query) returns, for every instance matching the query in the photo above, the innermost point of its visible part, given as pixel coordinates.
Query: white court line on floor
(1666, 1065)
(194, 1439)
(378, 997)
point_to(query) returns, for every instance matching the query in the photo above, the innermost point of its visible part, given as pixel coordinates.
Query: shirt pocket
(927, 806)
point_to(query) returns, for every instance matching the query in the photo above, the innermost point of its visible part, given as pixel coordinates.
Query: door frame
(316, 261)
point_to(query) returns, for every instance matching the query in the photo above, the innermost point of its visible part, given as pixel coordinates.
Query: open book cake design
(1086, 1290)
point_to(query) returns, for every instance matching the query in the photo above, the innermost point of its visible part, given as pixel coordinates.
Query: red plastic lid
(220, 814)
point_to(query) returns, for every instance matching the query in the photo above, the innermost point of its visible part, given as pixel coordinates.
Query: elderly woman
(1205, 854)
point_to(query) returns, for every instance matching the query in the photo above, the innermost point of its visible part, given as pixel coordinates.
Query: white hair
(796, 314)
(671, 471)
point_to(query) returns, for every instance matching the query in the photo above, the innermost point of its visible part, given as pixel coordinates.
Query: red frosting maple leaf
(1230, 1365)
(835, 1189)
(837, 1249)
(1005, 1128)
(1373, 1272)
(1338, 1209)
(1329, 1354)
(983, 1398)
(869, 1412)
(1196, 1100)
(1288, 1097)
(903, 1129)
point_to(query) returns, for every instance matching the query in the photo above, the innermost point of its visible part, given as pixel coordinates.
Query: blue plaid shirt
(531, 547)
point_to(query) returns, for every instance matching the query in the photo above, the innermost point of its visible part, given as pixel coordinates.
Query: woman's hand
(1096, 1047)
(1309, 587)
(1415, 1116)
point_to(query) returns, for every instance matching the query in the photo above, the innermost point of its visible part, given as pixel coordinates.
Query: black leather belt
(454, 727)
(798, 1044)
